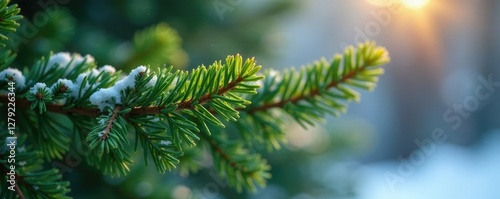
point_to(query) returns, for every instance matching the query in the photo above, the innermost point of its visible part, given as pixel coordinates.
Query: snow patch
(66, 82)
(129, 81)
(58, 60)
(79, 82)
(153, 119)
(67, 61)
(78, 60)
(107, 68)
(109, 97)
(165, 142)
(105, 97)
(152, 82)
(14, 73)
(38, 86)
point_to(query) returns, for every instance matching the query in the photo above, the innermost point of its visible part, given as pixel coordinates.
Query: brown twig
(153, 110)
(16, 186)
(185, 104)
(95, 112)
(223, 154)
(18, 191)
(298, 98)
(110, 123)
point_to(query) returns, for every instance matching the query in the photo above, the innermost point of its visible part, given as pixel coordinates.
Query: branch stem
(19, 193)
(297, 99)
(222, 153)
(16, 187)
(110, 123)
(151, 110)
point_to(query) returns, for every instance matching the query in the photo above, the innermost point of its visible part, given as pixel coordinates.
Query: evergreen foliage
(156, 46)
(8, 17)
(168, 115)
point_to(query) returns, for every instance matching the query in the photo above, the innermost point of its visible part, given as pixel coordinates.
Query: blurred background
(430, 130)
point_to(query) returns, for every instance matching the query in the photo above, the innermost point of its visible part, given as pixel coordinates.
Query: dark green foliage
(6, 58)
(157, 46)
(108, 143)
(8, 18)
(240, 167)
(33, 180)
(307, 95)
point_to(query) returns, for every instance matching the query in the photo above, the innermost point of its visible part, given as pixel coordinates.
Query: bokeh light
(414, 4)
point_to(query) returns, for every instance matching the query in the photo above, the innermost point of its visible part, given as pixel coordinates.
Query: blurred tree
(106, 28)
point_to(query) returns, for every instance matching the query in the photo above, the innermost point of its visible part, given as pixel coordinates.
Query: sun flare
(414, 4)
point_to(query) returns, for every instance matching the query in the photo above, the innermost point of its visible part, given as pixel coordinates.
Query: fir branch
(47, 133)
(55, 108)
(171, 111)
(313, 93)
(108, 144)
(190, 160)
(240, 167)
(8, 19)
(368, 55)
(137, 111)
(19, 179)
(150, 133)
(18, 191)
(6, 58)
(186, 104)
(107, 130)
(149, 110)
(223, 154)
(209, 96)
(32, 181)
(309, 94)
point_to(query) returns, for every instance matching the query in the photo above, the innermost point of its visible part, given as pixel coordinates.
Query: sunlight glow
(414, 4)
(379, 3)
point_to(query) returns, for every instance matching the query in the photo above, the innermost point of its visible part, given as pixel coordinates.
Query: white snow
(79, 81)
(78, 59)
(136, 71)
(78, 84)
(16, 74)
(105, 97)
(107, 68)
(152, 82)
(60, 59)
(66, 82)
(109, 97)
(67, 61)
(173, 84)
(93, 73)
(156, 119)
(124, 83)
(274, 74)
(153, 119)
(165, 142)
(37, 87)
(129, 81)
